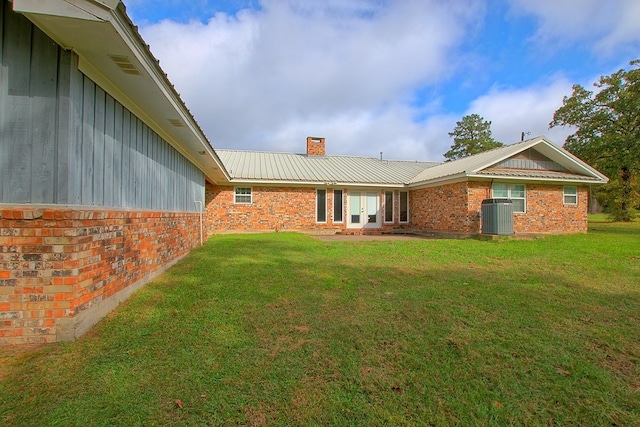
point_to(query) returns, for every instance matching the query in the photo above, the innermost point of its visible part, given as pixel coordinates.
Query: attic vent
(175, 122)
(125, 64)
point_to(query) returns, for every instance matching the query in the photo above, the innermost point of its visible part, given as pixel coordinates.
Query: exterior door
(364, 209)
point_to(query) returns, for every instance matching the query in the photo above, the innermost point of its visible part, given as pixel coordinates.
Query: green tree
(607, 133)
(472, 135)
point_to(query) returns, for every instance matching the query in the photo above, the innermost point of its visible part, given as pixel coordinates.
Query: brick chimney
(315, 146)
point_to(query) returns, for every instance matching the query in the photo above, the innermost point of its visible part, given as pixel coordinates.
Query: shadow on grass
(283, 329)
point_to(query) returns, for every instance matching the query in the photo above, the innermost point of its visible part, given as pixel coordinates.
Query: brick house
(104, 174)
(100, 165)
(314, 191)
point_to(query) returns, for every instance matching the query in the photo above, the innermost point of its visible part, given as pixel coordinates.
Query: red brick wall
(273, 208)
(547, 213)
(455, 208)
(451, 208)
(280, 209)
(448, 208)
(60, 269)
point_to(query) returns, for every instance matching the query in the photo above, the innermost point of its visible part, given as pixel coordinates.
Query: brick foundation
(62, 269)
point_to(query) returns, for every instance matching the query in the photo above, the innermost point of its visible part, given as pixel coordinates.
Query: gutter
(237, 181)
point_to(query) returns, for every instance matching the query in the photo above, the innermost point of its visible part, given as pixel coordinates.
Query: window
(321, 205)
(243, 195)
(337, 205)
(404, 206)
(515, 192)
(570, 195)
(388, 206)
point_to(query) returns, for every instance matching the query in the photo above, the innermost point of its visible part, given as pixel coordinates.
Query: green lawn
(284, 329)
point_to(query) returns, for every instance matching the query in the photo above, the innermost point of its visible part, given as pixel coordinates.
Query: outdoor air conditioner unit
(497, 216)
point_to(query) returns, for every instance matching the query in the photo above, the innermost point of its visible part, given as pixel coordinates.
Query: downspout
(199, 204)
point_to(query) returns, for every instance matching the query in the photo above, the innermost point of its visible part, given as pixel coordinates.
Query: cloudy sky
(382, 75)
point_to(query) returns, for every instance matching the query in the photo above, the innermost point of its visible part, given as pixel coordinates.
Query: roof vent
(175, 122)
(125, 64)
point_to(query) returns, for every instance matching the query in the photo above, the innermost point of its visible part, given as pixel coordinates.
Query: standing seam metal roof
(302, 168)
(290, 167)
(478, 163)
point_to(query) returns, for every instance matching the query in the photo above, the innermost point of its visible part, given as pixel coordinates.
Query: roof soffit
(114, 55)
(77, 9)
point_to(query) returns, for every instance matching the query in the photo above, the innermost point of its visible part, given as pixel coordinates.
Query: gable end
(529, 159)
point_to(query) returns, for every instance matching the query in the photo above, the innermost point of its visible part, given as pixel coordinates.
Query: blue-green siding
(64, 140)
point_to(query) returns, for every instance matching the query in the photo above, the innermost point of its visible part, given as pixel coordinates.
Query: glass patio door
(364, 209)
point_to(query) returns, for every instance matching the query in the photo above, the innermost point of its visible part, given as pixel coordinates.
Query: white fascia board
(271, 183)
(138, 47)
(448, 179)
(89, 70)
(110, 13)
(77, 9)
(571, 160)
(151, 65)
(536, 179)
(553, 152)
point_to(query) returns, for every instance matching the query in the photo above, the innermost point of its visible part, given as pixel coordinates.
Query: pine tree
(472, 135)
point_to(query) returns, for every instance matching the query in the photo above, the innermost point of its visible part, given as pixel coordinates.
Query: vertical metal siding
(127, 176)
(118, 143)
(16, 162)
(98, 148)
(86, 162)
(75, 125)
(3, 86)
(43, 99)
(65, 140)
(109, 148)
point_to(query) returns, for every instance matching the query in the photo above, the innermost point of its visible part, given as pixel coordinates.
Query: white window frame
(509, 188)
(573, 195)
(400, 208)
(333, 210)
(325, 205)
(237, 195)
(384, 210)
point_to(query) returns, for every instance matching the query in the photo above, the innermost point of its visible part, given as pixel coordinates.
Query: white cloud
(605, 25)
(528, 109)
(346, 70)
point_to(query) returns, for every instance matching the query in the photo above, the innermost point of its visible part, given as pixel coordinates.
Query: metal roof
(301, 168)
(477, 164)
(281, 168)
(538, 175)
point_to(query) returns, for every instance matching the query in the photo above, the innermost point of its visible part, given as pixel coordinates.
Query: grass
(284, 329)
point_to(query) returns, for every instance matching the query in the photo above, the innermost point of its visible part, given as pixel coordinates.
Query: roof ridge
(351, 156)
